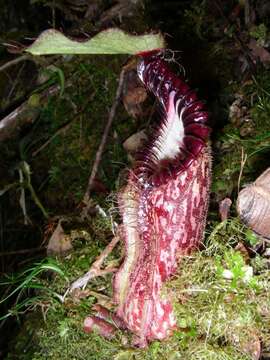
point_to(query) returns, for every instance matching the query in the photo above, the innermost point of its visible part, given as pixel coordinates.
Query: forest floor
(221, 293)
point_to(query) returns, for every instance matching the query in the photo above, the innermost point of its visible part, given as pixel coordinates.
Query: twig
(36, 200)
(21, 252)
(15, 82)
(53, 14)
(104, 138)
(22, 198)
(114, 224)
(62, 129)
(14, 62)
(58, 132)
(24, 114)
(95, 269)
(243, 161)
(248, 14)
(213, 312)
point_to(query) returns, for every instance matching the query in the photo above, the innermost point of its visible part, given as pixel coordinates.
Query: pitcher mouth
(181, 133)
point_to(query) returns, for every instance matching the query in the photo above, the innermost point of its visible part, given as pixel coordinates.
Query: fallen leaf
(98, 186)
(133, 92)
(135, 141)
(259, 52)
(243, 251)
(135, 96)
(133, 99)
(251, 345)
(78, 294)
(59, 242)
(224, 208)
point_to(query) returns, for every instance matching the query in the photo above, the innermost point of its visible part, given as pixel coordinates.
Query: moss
(216, 317)
(226, 312)
(72, 162)
(62, 168)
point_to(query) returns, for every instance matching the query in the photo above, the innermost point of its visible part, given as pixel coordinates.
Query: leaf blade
(110, 41)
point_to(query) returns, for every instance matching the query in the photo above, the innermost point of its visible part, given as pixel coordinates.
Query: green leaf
(61, 78)
(251, 237)
(111, 41)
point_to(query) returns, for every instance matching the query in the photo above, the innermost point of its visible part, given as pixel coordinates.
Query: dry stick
(22, 251)
(60, 130)
(14, 62)
(24, 114)
(247, 13)
(243, 161)
(63, 128)
(15, 82)
(104, 138)
(95, 269)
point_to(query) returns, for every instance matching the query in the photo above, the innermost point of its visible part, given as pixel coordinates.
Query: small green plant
(259, 33)
(251, 238)
(53, 74)
(23, 284)
(55, 174)
(196, 17)
(232, 268)
(23, 184)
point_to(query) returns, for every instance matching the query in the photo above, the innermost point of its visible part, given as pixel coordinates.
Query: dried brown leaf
(59, 242)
